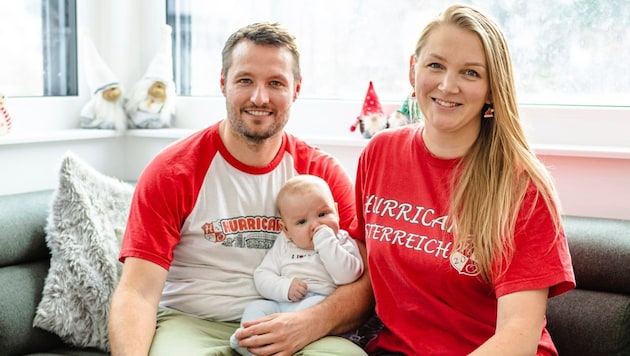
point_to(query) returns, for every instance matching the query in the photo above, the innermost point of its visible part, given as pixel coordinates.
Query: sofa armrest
(585, 322)
(600, 252)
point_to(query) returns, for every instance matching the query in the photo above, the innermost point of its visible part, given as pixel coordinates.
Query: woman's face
(450, 78)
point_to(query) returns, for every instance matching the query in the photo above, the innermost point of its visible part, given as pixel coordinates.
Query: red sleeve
(540, 259)
(165, 194)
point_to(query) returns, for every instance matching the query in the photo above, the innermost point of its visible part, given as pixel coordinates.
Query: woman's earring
(489, 113)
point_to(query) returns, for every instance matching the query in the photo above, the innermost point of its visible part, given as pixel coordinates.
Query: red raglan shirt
(209, 219)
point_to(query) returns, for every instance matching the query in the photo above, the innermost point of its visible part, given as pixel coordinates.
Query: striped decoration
(5, 119)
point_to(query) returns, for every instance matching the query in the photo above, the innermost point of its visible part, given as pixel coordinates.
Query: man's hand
(297, 290)
(280, 334)
(286, 333)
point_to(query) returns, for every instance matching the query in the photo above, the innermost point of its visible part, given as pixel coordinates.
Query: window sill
(583, 151)
(540, 149)
(318, 140)
(57, 136)
(170, 133)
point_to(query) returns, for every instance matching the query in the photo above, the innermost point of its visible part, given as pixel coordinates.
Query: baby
(310, 257)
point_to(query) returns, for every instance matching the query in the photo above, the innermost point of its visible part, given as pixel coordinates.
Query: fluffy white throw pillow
(87, 218)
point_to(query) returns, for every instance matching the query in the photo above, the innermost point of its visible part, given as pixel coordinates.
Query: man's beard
(242, 129)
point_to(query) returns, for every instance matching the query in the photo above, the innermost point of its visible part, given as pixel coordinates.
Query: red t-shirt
(431, 299)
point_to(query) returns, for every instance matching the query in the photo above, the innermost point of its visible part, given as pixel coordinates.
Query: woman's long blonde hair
(495, 173)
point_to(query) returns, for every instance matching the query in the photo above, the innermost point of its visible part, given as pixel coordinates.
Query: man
(203, 217)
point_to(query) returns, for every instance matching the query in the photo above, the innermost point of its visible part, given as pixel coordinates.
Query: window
(567, 52)
(38, 48)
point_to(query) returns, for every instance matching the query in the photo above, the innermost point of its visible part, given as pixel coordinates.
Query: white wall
(33, 165)
(586, 149)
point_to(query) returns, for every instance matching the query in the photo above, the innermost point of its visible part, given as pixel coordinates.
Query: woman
(461, 220)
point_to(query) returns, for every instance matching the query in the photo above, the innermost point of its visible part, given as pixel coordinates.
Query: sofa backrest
(601, 252)
(594, 318)
(24, 262)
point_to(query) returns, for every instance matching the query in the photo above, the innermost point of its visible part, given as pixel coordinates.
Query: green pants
(178, 333)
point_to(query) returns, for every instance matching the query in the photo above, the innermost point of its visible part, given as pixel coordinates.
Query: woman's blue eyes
(467, 72)
(471, 73)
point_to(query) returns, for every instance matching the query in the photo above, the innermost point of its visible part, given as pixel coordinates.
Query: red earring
(489, 114)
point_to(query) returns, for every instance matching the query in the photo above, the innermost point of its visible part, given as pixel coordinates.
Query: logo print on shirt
(212, 234)
(245, 231)
(299, 256)
(465, 263)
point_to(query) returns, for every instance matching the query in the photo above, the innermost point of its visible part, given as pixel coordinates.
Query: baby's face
(305, 214)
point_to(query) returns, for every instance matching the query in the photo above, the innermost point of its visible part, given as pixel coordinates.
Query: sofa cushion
(87, 218)
(21, 287)
(71, 351)
(22, 221)
(600, 253)
(24, 262)
(585, 322)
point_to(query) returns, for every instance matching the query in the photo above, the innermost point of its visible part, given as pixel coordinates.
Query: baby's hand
(297, 289)
(332, 229)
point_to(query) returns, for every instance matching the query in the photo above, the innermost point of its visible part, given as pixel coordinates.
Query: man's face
(259, 88)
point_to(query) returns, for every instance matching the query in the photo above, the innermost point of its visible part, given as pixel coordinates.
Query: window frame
(581, 130)
(182, 44)
(596, 131)
(59, 48)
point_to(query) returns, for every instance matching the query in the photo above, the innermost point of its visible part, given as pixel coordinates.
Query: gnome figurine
(105, 110)
(5, 118)
(408, 113)
(152, 101)
(372, 118)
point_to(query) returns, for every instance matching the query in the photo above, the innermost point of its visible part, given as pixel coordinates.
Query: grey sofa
(24, 262)
(593, 319)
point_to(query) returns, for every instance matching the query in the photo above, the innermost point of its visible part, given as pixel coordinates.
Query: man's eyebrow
(242, 74)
